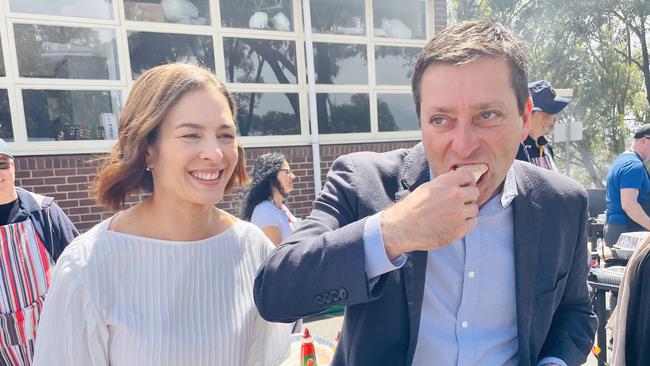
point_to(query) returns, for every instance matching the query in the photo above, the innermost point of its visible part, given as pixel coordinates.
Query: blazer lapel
(414, 173)
(527, 213)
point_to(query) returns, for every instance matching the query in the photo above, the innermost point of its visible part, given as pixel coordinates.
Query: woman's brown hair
(154, 93)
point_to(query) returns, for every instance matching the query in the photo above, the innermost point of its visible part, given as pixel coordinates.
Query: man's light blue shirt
(469, 314)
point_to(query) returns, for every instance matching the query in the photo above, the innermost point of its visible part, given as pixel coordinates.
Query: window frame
(14, 84)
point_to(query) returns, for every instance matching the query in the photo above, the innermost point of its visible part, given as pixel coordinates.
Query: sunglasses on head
(4, 165)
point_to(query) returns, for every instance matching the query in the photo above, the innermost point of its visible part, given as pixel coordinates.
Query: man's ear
(526, 119)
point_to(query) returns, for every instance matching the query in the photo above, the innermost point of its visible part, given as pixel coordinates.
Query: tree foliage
(599, 49)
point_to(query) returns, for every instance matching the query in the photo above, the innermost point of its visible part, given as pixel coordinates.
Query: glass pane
(258, 14)
(71, 114)
(343, 112)
(338, 63)
(396, 112)
(152, 49)
(168, 11)
(47, 51)
(102, 9)
(270, 114)
(338, 16)
(394, 65)
(6, 129)
(260, 61)
(399, 19)
(3, 72)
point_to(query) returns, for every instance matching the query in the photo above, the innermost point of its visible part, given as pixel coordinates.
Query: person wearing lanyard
(33, 233)
(546, 105)
(628, 186)
(264, 203)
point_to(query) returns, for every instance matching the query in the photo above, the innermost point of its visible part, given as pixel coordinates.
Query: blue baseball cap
(545, 99)
(4, 149)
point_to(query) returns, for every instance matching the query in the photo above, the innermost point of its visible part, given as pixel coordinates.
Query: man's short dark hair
(467, 41)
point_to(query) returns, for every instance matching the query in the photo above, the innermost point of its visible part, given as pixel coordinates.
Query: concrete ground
(328, 325)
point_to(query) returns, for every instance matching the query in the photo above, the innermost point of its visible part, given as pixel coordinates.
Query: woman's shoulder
(252, 238)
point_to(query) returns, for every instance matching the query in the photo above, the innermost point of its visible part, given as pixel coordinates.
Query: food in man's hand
(477, 169)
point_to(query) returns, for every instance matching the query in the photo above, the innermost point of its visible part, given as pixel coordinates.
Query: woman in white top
(168, 281)
(264, 203)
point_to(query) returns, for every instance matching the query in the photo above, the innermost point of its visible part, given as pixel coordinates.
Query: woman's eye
(226, 136)
(191, 136)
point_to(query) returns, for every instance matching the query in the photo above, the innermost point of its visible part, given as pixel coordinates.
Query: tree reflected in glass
(343, 113)
(394, 65)
(6, 129)
(152, 49)
(396, 112)
(263, 114)
(340, 63)
(260, 61)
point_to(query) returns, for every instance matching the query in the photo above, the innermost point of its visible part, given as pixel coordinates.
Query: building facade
(67, 67)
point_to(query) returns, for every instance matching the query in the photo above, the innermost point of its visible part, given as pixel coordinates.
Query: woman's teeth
(206, 176)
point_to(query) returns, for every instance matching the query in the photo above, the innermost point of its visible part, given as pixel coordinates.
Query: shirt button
(471, 274)
(464, 324)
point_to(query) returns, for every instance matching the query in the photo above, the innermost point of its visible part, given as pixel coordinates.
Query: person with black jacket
(33, 233)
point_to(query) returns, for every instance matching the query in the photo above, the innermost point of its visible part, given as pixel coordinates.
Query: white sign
(567, 131)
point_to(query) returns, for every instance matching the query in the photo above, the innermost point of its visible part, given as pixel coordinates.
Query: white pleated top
(118, 299)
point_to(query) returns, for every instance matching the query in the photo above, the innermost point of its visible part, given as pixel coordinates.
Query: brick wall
(66, 178)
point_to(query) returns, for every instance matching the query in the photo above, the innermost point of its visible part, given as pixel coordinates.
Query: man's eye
(437, 120)
(487, 115)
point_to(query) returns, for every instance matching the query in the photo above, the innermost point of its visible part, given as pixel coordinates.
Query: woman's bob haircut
(154, 93)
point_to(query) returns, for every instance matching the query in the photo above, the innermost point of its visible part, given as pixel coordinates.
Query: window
(340, 63)
(195, 12)
(338, 16)
(399, 19)
(260, 61)
(152, 49)
(102, 9)
(71, 114)
(343, 113)
(66, 52)
(6, 128)
(263, 114)
(394, 65)
(67, 65)
(274, 15)
(396, 112)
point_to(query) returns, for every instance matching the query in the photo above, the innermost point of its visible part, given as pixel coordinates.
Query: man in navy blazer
(437, 265)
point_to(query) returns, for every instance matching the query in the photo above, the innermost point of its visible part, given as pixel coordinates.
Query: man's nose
(465, 140)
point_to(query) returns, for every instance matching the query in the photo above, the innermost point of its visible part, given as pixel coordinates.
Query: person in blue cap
(546, 105)
(33, 233)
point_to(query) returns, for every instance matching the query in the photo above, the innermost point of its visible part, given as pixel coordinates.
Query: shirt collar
(508, 193)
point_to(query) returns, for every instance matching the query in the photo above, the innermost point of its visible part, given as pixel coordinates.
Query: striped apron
(24, 279)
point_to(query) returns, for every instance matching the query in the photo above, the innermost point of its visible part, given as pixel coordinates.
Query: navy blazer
(322, 264)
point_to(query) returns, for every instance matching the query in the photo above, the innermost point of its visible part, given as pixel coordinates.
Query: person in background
(272, 181)
(427, 247)
(33, 233)
(168, 281)
(627, 188)
(535, 148)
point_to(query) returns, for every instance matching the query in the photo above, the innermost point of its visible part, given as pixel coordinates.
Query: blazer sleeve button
(343, 293)
(334, 295)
